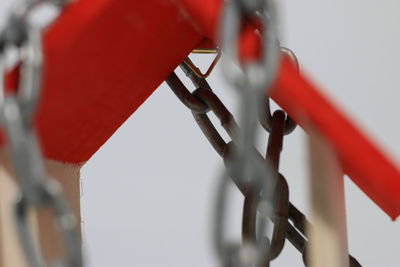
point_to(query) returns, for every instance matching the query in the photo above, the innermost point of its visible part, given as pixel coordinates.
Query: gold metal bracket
(195, 69)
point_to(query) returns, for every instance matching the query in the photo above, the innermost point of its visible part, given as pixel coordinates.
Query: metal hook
(195, 69)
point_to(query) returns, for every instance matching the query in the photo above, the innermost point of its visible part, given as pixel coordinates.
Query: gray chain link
(252, 79)
(17, 110)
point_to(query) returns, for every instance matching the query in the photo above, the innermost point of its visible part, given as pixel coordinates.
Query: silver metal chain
(17, 110)
(252, 79)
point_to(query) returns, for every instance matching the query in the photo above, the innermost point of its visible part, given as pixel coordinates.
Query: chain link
(256, 75)
(17, 110)
(265, 115)
(252, 79)
(289, 222)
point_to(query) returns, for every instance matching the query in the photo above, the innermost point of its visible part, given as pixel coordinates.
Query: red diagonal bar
(365, 164)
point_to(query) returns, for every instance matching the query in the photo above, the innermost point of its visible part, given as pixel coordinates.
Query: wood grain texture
(328, 236)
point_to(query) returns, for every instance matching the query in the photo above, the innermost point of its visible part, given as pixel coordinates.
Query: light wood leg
(68, 176)
(328, 237)
(10, 250)
(42, 222)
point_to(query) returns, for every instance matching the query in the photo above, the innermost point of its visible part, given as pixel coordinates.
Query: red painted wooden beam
(372, 171)
(103, 58)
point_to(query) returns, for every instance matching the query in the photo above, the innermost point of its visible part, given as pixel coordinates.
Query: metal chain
(17, 110)
(265, 115)
(256, 75)
(289, 222)
(252, 79)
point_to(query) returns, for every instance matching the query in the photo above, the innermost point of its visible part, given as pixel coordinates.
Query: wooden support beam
(10, 250)
(328, 236)
(68, 175)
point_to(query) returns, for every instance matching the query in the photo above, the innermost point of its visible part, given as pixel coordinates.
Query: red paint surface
(366, 165)
(105, 57)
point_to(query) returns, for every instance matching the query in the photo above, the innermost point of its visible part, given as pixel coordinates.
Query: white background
(147, 193)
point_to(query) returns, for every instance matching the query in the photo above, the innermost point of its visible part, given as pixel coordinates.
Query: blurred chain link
(251, 78)
(17, 110)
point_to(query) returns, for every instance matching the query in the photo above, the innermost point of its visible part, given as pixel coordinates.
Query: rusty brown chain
(289, 222)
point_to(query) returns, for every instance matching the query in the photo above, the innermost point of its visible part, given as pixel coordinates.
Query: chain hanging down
(252, 79)
(17, 110)
(289, 222)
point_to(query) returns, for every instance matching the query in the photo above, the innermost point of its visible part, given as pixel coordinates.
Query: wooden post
(328, 237)
(68, 175)
(42, 221)
(10, 250)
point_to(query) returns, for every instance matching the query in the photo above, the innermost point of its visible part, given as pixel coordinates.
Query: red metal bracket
(105, 57)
